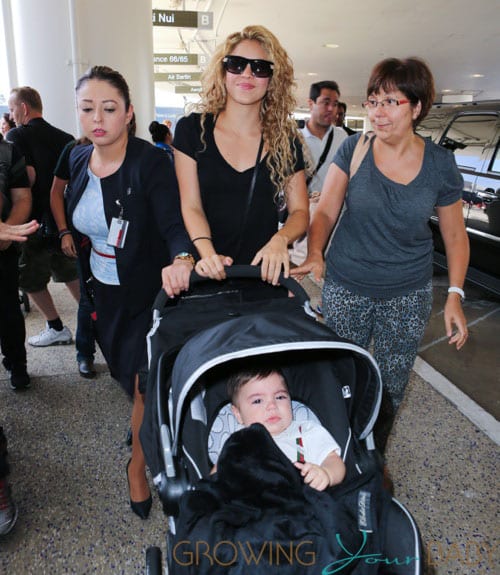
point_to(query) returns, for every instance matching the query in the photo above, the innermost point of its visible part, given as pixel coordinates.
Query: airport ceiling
(459, 39)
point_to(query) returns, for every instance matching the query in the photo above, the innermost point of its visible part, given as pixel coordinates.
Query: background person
(15, 208)
(340, 119)
(8, 508)
(319, 129)
(162, 137)
(323, 140)
(378, 282)
(84, 337)
(235, 157)
(41, 144)
(6, 124)
(17, 233)
(123, 209)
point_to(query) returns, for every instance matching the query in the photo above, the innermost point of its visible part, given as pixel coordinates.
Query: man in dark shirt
(340, 118)
(41, 143)
(15, 208)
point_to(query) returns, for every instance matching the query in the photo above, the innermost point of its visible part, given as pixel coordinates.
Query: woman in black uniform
(123, 208)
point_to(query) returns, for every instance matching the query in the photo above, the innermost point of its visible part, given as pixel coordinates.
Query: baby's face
(264, 401)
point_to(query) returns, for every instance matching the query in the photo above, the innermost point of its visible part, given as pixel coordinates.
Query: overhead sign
(178, 77)
(183, 19)
(187, 89)
(179, 59)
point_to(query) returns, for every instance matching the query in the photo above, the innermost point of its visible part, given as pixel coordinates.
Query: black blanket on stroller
(257, 516)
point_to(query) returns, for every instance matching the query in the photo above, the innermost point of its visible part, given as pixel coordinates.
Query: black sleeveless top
(224, 193)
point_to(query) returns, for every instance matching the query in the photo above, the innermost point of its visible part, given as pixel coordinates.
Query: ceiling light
(445, 91)
(312, 73)
(330, 46)
(477, 75)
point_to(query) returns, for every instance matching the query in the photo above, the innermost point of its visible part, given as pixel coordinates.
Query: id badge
(117, 233)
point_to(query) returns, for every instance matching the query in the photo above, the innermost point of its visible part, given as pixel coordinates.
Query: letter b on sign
(205, 20)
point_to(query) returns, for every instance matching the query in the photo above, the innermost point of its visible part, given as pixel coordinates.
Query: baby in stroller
(260, 394)
(257, 514)
(278, 485)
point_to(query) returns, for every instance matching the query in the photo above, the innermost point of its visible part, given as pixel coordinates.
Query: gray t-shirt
(382, 246)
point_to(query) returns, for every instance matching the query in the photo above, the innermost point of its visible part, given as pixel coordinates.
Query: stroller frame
(174, 479)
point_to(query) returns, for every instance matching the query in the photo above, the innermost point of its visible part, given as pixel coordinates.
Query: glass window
(468, 136)
(356, 124)
(432, 126)
(495, 162)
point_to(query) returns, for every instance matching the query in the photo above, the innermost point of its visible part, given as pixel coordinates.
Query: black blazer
(146, 187)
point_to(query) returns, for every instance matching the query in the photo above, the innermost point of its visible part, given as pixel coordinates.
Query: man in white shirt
(323, 140)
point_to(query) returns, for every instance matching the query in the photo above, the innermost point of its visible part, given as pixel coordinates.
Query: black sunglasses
(238, 64)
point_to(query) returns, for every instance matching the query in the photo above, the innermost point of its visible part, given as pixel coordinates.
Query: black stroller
(193, 344)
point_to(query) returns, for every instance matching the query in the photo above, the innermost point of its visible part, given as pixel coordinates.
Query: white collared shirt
(316, 147)
(316, 441)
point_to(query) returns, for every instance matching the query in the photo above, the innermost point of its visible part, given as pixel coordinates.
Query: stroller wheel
(153, 561)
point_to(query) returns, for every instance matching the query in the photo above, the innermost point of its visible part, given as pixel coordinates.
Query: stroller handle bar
(240, 272)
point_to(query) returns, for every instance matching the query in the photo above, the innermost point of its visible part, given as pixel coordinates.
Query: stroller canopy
(300, 341)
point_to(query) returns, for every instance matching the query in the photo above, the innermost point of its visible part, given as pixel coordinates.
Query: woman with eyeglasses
(237, 154)
(379, 264)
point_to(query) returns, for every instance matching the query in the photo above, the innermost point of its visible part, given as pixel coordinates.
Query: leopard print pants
(395, 326)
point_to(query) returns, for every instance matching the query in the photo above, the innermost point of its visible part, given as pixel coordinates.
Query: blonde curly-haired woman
(237, 153)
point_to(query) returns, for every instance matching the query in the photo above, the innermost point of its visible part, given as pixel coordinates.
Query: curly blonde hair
(279, 129)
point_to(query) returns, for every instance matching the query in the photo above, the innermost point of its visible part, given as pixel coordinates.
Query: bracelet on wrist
(63, 233)
(201, 238)
(459, 291)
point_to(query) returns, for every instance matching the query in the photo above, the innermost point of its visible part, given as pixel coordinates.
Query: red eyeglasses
(371, 103)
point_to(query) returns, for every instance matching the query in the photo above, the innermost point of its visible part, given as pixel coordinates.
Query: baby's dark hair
(241, 377)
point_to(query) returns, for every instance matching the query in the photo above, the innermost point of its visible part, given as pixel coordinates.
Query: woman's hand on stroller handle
(213, 267)
(232, 272)
(273, 259)
(312, 265)
(175, 277)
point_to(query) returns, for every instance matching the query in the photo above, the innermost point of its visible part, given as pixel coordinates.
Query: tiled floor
(68, 455)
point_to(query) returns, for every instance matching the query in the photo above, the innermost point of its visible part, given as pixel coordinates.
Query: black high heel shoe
(140, 508)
